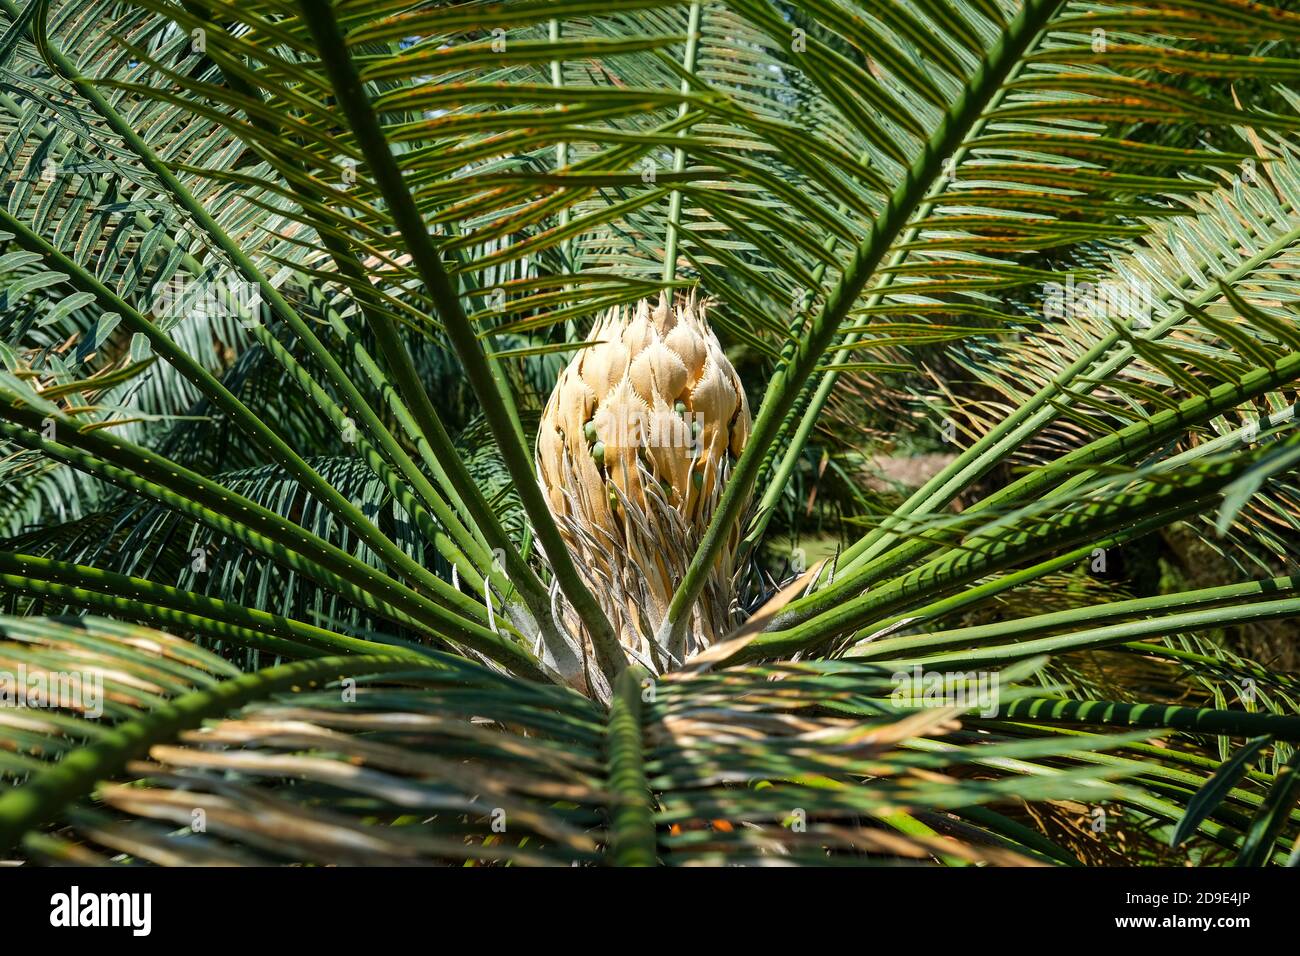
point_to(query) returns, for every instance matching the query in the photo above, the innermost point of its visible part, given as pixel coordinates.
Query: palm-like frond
(411, 758)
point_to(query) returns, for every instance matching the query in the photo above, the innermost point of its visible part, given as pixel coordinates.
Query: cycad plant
(380, 482)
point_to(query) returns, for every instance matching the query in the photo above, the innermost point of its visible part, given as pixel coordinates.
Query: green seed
(598, 452)
(680, 408)
(589, 430)
(697, 479)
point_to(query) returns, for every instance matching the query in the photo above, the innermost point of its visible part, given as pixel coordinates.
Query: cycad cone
(634, 448)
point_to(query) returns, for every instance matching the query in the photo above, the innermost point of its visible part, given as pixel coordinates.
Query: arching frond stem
(346, 82)
(784, 387)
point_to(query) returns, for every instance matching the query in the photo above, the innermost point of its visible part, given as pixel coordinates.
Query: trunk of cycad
(634, 448)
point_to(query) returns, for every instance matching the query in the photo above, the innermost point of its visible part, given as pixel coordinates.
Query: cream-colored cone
(634, 448)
